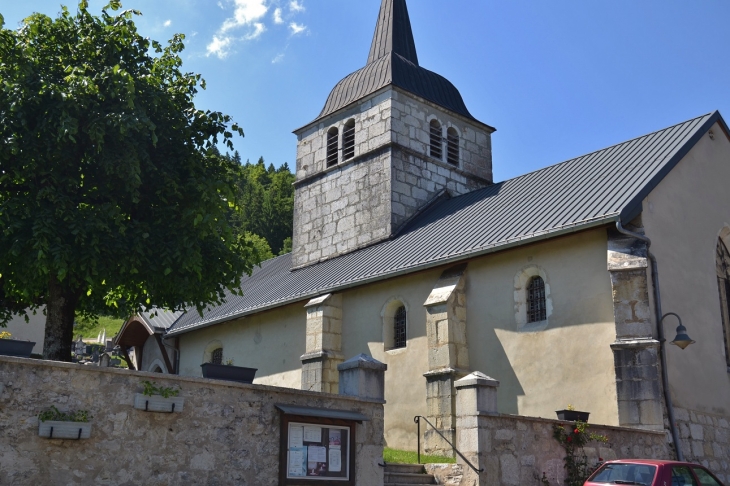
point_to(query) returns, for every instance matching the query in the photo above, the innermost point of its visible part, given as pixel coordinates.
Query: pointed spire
(393, 32)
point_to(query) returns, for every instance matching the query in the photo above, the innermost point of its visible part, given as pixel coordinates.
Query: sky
(558, 78)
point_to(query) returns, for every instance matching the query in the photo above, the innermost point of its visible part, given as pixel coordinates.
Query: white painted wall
(570, 361)
(684, 216)
(272, 341)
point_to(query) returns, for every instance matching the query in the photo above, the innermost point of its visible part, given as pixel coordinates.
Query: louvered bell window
(437, 140)
(332, 142)
(452, 147)
(536, 308)
(216, 357)
(348, 140)
(399, 327)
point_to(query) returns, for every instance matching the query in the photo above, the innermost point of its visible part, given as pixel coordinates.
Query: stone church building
(554, 283)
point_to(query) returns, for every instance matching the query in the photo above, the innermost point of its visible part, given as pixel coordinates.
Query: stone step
(405, 468)
(398, 479)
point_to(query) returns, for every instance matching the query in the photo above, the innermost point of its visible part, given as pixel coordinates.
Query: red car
(646, 472)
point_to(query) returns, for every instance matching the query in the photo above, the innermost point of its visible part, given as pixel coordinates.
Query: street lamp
(682, 340)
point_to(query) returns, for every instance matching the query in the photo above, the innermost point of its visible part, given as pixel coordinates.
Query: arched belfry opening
(362, 170)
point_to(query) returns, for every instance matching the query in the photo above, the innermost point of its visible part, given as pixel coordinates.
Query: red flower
(576, 431)
(570, 439)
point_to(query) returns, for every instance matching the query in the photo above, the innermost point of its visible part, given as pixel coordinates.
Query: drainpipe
(660, 332)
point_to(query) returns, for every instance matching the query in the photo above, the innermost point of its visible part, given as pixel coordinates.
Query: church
(565, 284)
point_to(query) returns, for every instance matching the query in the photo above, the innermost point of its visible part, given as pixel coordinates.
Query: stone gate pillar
(323, 344)
(476, 397)
(448, 356)
(635, 351)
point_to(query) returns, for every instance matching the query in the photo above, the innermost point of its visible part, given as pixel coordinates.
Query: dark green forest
(266, 201)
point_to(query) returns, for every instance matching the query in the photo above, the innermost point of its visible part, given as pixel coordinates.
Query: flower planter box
(51, 429)
(239, 374)
(158, 403)
(15, 347)
(572, 415)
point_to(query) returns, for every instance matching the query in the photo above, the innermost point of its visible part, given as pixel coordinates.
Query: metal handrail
(417, 420)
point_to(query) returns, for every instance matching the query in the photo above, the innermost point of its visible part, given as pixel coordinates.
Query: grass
(91, 329)
(409, 457)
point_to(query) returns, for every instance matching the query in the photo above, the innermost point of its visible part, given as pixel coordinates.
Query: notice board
(316, 451)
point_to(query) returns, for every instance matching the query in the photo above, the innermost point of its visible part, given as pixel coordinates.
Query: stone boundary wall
(705, 439)
(227, 434)
(514, 450)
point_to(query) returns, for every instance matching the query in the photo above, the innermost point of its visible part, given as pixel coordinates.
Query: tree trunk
(60, 314)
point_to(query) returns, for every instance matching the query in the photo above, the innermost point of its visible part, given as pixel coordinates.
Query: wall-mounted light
(711, 134)
(682, 339)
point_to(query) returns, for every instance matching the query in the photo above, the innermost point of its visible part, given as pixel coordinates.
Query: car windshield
(618, 473)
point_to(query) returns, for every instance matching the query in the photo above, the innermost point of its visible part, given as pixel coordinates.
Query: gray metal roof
(393, 61)
(595, 189)
(163, 319)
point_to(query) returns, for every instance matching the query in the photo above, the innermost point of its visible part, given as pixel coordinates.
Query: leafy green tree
(266, 198)
(111, 197)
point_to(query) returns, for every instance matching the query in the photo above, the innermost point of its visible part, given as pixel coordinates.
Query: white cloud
(296, 6)
(297, 28)
(277, 16)
(278, 58)
(219, 46)
(259, 29)
(246, 12)
(220, 4)
(167, 23)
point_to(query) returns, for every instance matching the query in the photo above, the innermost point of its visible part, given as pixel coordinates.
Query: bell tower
(391, 139)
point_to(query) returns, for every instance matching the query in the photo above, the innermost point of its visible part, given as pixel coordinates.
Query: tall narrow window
(332, 146)
(723, 281)
(437, 140)
(452, 146)
(536, 308)
(216, 357)
(348, 140)
(399, 328)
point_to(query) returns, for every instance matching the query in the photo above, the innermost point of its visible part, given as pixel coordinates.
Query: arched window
(452, 146)
(332, 145)
(216, 356)
(536, 307)
(399, 328)
(437, 139)
(723, 281)
(348, 140)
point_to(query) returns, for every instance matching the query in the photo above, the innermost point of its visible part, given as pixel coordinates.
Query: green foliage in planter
(5, 335)
(573, 441)
(55, 415)
(151, 388)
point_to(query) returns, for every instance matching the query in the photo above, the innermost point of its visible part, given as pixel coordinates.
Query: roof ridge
(603, 149)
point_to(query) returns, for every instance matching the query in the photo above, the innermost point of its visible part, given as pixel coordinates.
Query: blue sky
(557, 78)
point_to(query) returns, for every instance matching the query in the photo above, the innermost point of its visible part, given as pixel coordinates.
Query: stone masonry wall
(391, 176)
(705, 439)
(228, 433)
(516, 450)
(346, 209)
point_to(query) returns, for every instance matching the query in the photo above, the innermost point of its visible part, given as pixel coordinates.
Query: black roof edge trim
(633, 208)
(327, 413)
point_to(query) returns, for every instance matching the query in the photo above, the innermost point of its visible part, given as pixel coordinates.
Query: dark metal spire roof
(393, 33)
(393, 61)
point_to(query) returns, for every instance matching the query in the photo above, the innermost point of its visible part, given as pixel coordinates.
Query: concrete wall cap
(476, 378)
(362, 361)
(317, 300)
